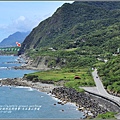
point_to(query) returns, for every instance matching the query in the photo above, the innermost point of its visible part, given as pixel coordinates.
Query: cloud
(20, 19)
(21, 24)
(2, 26)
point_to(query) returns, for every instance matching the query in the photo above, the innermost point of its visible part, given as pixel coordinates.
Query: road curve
(101, 89)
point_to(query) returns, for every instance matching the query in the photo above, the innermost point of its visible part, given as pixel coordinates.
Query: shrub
(31, 77)
(107, 115)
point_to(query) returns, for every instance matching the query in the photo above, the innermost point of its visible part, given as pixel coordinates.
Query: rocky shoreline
(85, 102)
(43, 87)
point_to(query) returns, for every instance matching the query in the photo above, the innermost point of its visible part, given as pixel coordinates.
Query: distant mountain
(12, 39)
(77, 25)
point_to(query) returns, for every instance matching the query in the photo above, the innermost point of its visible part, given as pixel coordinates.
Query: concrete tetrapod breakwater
(85, 101)
(89, 103)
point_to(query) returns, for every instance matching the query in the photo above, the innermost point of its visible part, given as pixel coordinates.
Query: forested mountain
(90, 24)
(80, 35)
(12, 39)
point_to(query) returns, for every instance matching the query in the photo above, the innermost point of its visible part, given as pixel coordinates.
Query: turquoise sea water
(6, 67)
(24, 102)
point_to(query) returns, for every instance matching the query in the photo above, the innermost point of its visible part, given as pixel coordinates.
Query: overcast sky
(24, 16)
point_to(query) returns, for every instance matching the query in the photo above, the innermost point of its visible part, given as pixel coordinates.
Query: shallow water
(6, 67)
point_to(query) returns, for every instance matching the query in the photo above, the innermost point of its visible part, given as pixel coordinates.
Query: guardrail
(106, 98)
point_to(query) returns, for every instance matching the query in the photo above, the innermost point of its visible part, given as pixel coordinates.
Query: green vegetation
(66, 76)
(74, 37)
(72, 64)
(107, 115)
(78, 35)
(91, 27)
(70, 58)
(77, 38)
(110, 73)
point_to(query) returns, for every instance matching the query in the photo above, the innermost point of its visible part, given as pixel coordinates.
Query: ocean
(25, 102)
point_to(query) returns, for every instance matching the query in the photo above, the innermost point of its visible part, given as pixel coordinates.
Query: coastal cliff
(41, 63)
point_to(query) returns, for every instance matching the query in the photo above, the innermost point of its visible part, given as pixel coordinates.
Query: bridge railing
(10, 49)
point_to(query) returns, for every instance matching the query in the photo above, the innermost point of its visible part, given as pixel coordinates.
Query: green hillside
(76, 35)
(110, 73)
(79, 25)
(79, 35)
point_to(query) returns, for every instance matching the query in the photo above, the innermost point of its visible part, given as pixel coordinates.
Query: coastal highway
(100, 88)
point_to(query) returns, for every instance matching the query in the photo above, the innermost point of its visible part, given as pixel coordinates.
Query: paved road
(101, 89)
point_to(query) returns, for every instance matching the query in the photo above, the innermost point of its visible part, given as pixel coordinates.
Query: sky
(23, 16)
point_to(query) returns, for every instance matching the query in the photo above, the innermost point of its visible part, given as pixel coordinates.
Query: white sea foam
(27, 88)
(30, 89)
(3, 67)
(72, 104)
(56, 99)
(3, 78)
(22, 87)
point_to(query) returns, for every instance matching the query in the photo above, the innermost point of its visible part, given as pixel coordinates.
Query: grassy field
(65, 75)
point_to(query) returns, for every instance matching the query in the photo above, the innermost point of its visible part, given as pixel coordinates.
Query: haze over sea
(25, 102)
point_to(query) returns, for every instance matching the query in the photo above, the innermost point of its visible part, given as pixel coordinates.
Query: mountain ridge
(11, 40)
(62, 29)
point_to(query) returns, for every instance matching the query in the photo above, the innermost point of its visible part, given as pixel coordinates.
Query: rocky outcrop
(48, 62)
(22, 82)
(14, 82)
(42, 63)
(39, 63)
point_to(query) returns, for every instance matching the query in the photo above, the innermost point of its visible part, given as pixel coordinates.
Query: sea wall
(87, 102)
(107, 103)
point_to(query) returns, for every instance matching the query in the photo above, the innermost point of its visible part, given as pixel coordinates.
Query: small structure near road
(77, 77)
